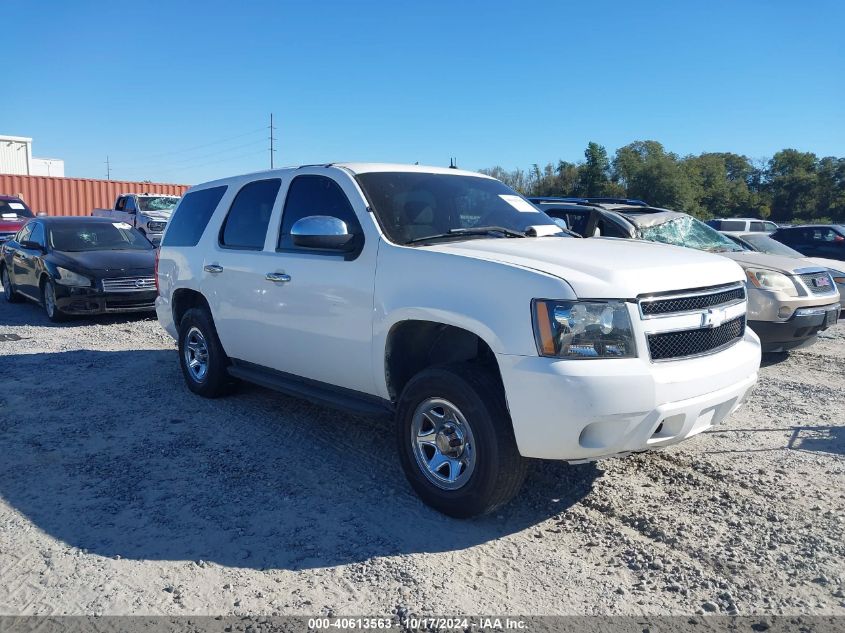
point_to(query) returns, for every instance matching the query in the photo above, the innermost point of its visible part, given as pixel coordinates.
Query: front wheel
(48, 299)
(9, 291)
(456, 440)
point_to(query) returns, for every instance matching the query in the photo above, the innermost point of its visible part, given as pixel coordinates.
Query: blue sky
(182, 91)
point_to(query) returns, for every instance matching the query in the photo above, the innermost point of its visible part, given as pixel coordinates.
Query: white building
(16, 158)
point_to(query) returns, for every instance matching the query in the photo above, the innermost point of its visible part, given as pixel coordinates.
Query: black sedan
(79, 266)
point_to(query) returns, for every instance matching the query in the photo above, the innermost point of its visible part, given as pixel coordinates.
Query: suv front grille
(688, 303)
(685, 343)
(818, 283)
(129, 284)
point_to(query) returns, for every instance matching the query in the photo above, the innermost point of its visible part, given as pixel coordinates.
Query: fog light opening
(785, 312)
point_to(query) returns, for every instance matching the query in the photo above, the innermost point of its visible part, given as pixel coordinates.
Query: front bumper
(578, 410)
(90, 301)
(798, 331)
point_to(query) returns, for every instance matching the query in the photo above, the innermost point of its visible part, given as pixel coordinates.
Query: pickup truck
(447, 301)
(147, 212)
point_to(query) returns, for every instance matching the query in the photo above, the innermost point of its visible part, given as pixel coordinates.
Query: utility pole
(272, 138)
(108, 169)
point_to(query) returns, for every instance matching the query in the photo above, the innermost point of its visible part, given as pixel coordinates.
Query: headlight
(583, 329)
(69, 278)
(838, 277)
(771, 280)
(156, 227)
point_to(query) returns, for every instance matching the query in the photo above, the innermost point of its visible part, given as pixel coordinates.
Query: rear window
(192, 216)
(14, 209)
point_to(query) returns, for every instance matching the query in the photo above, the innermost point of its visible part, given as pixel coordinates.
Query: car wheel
(48, 300)
(9, 291)
(201, 355)
(456, 440)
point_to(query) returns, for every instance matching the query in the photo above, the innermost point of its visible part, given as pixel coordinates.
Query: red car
(13, 215)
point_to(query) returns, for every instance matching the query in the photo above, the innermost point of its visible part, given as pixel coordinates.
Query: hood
(605, 268)
(835, 264)
(753, 259)
(157, 215)
(107, 263)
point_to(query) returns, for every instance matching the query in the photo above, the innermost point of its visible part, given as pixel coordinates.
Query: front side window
(315, 195)
(412, 207)
(130, 204)
(192, 216)
(249, 216)
(23, 234)
(82, 236)
(37, 234)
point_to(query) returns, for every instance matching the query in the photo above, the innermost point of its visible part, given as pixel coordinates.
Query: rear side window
(733, 225)
(757, 226)
(246, 224)
(192, 216)
(315, 195)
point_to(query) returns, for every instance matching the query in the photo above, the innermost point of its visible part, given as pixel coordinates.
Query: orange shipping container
(76, 196)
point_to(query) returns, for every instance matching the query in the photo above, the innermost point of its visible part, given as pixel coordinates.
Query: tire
(48, 300)
(198, 342)
(9, 291)
(481, 439)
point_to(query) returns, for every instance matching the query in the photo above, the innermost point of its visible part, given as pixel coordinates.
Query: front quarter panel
(490, 299)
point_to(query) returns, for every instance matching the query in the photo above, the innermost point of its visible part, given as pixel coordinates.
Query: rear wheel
(201, 355)
(48, 300)
(9, 291)
(456, 440)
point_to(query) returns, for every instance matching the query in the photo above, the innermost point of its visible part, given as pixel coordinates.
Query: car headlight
(838, 276)
(771, 280)
(583, 329)
(69, 278)
(156, 227)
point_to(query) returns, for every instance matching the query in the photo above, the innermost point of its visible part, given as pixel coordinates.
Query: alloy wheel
(443, 443)
(196, 354)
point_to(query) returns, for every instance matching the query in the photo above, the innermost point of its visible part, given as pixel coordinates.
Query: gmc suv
(448, 301)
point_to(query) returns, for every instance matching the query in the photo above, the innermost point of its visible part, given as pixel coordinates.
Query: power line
(272, 150)
(202, 146)
(194, 158)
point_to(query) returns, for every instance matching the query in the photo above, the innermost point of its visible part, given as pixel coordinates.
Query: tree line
(791, 186)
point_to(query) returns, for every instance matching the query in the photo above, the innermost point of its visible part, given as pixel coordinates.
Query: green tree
(791, 182)
(648, 172)
(594, 174)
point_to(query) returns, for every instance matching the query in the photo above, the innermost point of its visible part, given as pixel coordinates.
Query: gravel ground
(123, 493)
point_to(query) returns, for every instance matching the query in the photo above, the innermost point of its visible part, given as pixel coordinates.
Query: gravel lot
(122, 493)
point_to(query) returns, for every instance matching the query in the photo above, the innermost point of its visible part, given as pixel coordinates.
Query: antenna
(272, 139)
(108, 169)
(452, 163)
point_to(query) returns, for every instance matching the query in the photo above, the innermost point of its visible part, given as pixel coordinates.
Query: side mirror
(323, 232)
(32, 246)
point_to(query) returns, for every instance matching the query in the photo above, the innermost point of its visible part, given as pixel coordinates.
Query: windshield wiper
(474, 230)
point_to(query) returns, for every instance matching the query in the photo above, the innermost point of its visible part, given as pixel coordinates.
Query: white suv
(447, 300)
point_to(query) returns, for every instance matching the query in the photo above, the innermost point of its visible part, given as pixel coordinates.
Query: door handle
(213, 268)
(277, 278)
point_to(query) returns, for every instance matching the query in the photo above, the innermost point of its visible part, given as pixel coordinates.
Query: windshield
(97, 236)
(413, 206)
(157, 203)
(689, 232)
(14, 209)
(765, 244)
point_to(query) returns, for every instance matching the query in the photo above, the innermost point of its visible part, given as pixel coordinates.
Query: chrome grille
(129, 284)
(818, 283)
(686, 343)
(688, 302)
